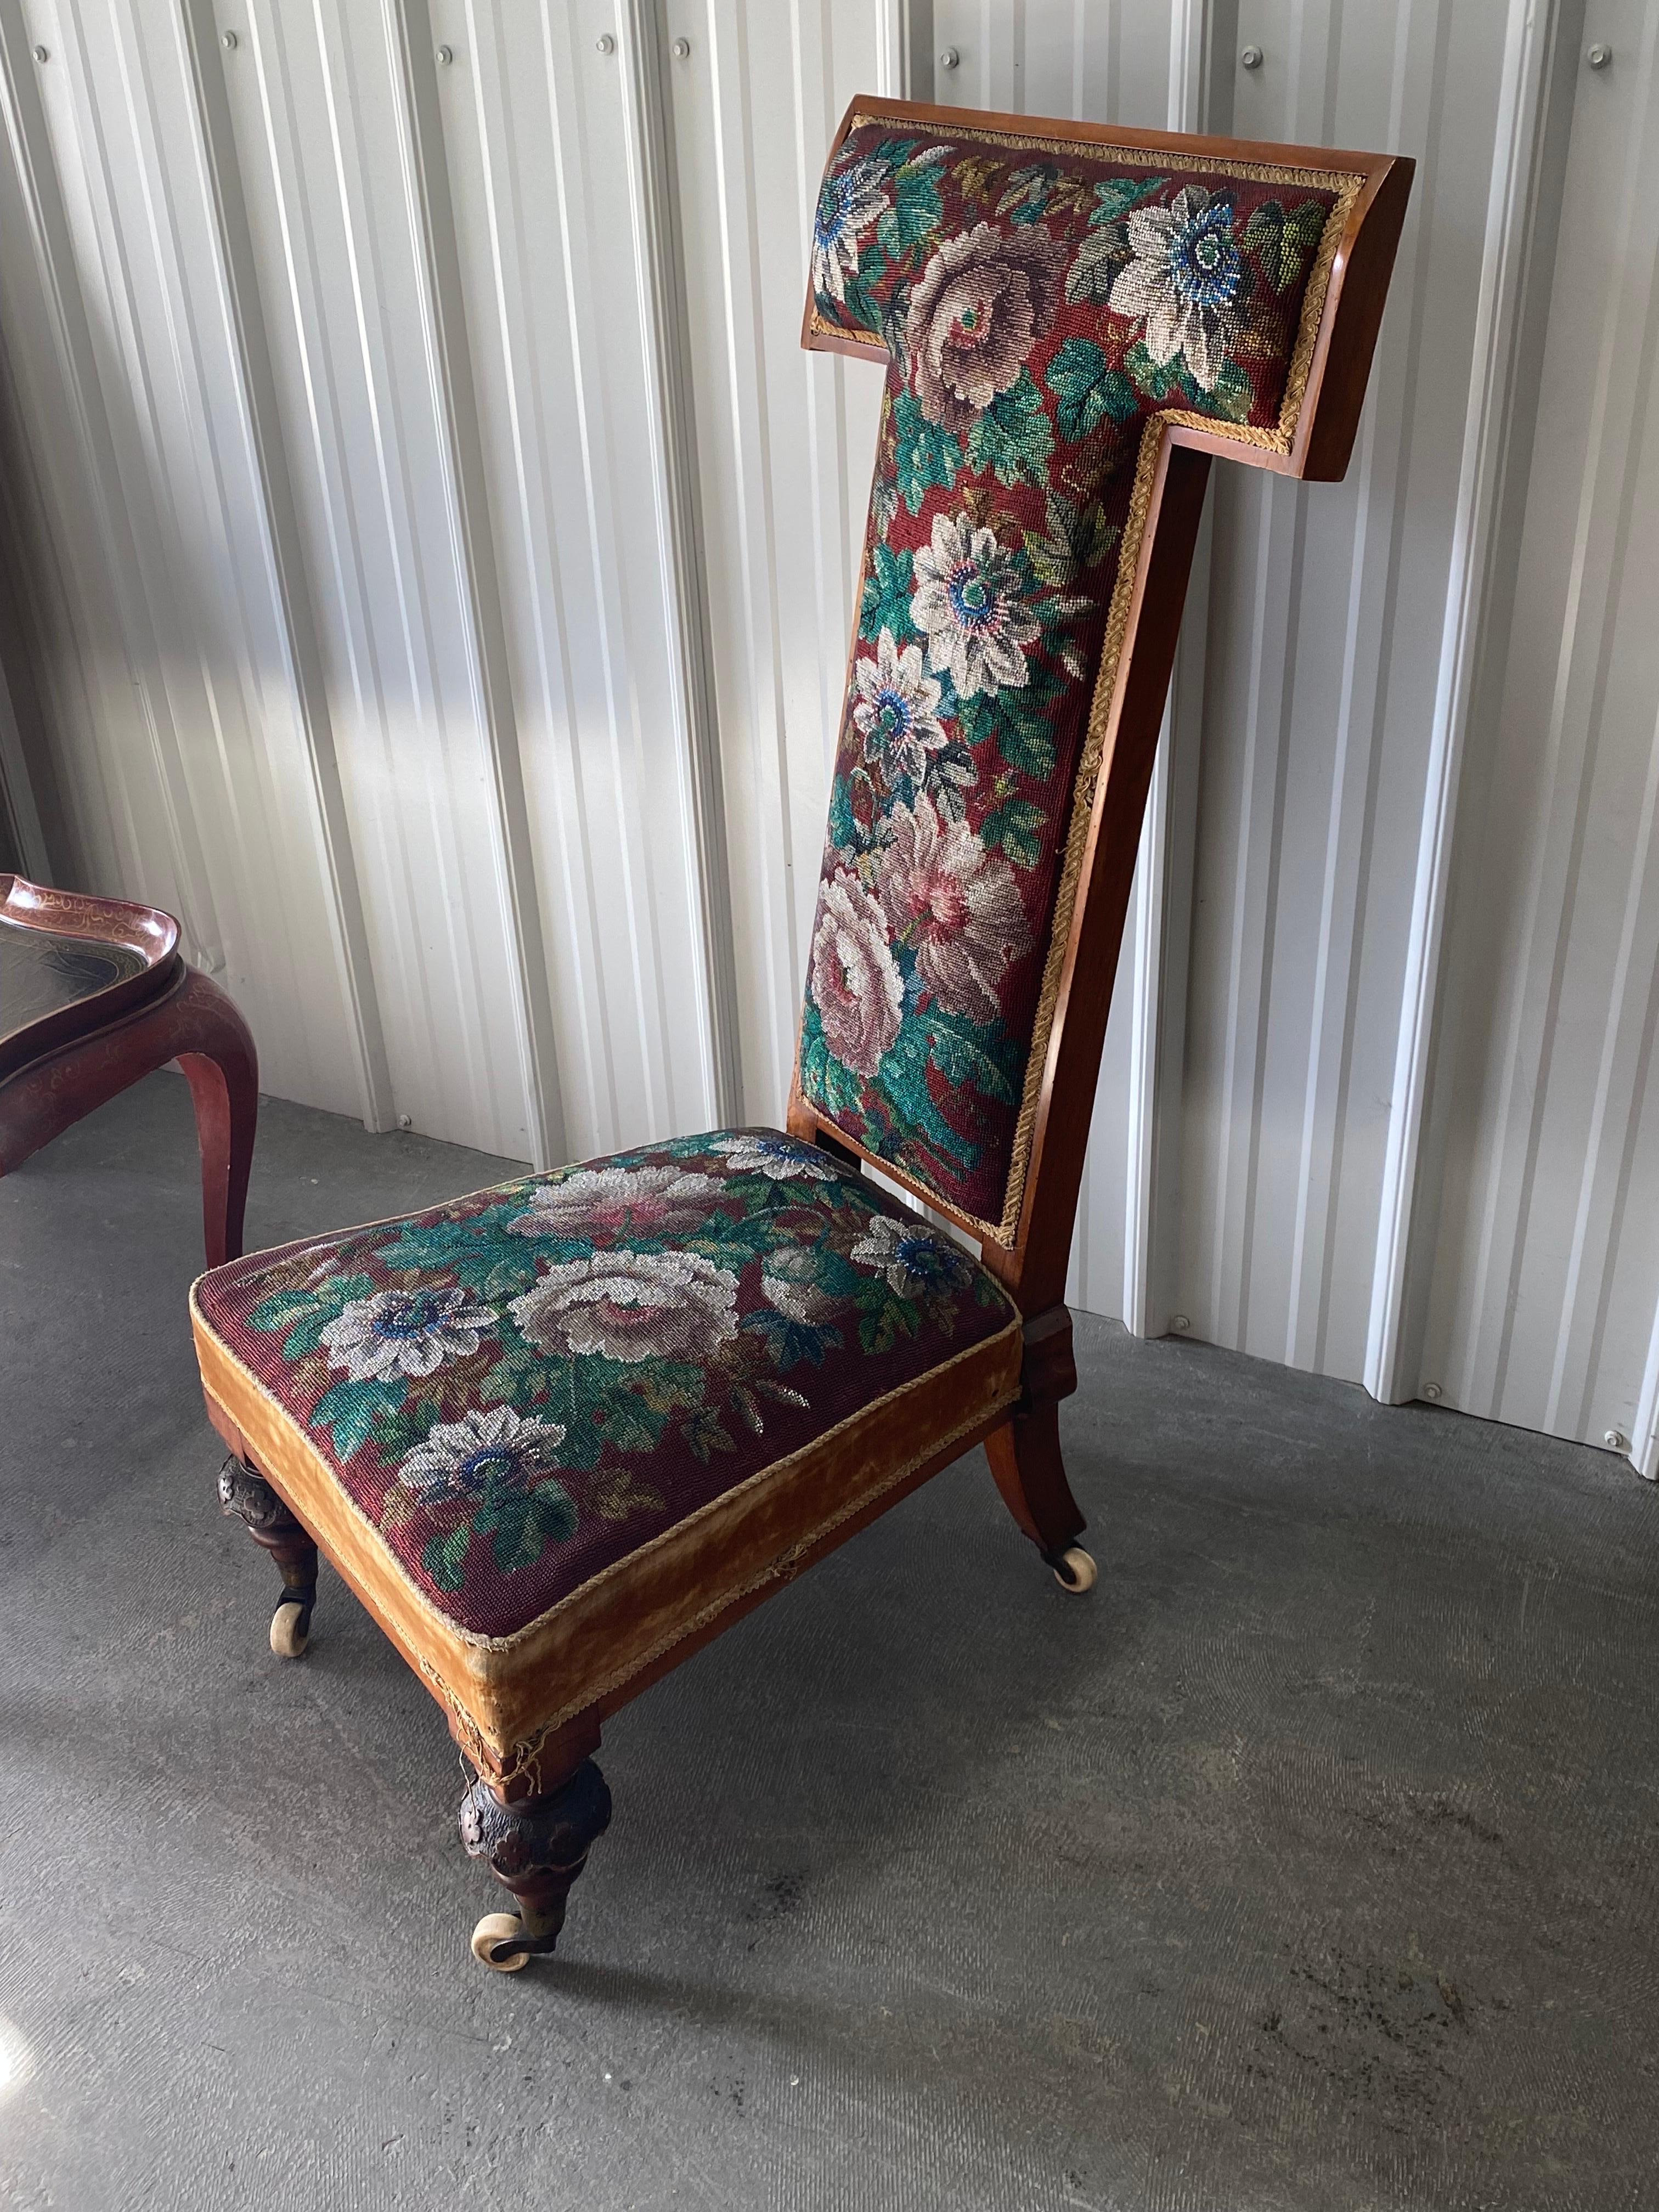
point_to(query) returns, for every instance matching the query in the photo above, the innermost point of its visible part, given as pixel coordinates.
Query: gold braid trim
(781, 1568)
(1105, 149)
(1347, 184)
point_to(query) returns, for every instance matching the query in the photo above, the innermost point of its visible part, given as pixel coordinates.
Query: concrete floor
(1310, 1863)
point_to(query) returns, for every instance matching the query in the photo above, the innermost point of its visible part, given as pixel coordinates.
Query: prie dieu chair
(558, 1433)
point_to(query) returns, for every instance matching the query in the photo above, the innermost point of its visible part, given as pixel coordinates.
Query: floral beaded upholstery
(522, 1387)
(1042, 306)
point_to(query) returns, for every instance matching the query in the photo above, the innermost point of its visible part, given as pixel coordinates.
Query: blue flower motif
(916, 1261)
(895, 711)
(778, 1158)
(849, 202)
(1204, 262)
(406, 1332)
(1185, 280)
(482, 1453)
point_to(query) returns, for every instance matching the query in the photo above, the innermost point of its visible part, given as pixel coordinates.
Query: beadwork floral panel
(523, 1386)
(1039, 305)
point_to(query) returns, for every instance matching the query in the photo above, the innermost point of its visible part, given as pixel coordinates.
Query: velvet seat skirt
(545, 1427)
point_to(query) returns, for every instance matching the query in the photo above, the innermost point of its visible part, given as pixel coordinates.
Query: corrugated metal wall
(440, 557)
(1545, 1284)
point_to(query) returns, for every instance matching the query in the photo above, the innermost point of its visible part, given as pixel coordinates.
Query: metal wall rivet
(446, 55)
(1179, 1323)
(1251, 57)
(43, 53)
(605, 44)
(948, 59)
(228, 42)
(1615, 1440)
(1599, 56)
(682, 50)
(1432, 1392)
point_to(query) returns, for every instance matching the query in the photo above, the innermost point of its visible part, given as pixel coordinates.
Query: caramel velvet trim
(509, 1691)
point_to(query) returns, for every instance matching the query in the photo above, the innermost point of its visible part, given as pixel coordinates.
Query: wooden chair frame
(1024, 1452)
(69, 1062)
(533, 1818)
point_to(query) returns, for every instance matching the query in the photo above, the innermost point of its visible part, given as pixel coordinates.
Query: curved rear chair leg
(271, 1526)
(1025, 1455)
(535, 1846)
(222, 1070)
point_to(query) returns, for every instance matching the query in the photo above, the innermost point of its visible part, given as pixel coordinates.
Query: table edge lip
(149, 931)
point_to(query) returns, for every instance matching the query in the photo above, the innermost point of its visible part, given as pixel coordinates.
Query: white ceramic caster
(291, 1631)
(495, 1928)
(1074, 1571)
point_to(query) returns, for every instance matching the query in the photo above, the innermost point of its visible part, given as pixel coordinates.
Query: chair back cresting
(1074, 321)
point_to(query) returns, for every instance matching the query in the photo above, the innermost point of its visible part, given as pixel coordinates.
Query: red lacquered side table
(94, 994)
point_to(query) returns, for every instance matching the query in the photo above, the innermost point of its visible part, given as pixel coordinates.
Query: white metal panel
(1546, 1272)
(320, 103)
(1326, 613)
(186, 767)
(1099, 61)
(786, 441)
(551, 236)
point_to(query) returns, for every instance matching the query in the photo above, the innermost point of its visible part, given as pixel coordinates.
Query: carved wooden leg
(1025, 1455)
(273, 1527)
(222, 1070)
(535, 1846)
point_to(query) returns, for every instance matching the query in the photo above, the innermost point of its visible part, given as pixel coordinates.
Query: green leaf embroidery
(822, 1077)
(668, 1385)
(1095, 266)
(444, 1559)
(861, 310)
(928, 454)
(888, 587)
(351, 1410)
(1303, 229)
(1234, 395)
(1106, 248)
(280, 1309)
(520, 1377)
(915, 211)
(1285, 244)
(704, 1434)
(1115, 196)
(310, 1311)
(902, 1078)
(1076, 539)
(973, 1054)
(523, 1526)
(1025, 195)
(1089, 390)
(1012, 436)
(1015, 828)
(631, 1426)
(396, 1434)
(615, 1494)
(1018, 721)
(885, 1319)
(480, 1252)
(1159, 383)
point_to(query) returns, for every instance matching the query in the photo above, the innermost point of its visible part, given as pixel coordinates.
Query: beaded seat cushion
(1041, 308)
(511, 1393)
